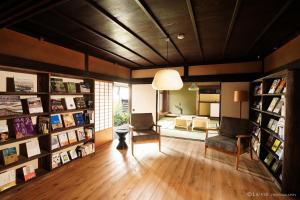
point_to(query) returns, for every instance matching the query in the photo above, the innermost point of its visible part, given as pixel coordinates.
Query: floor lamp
(240, 97)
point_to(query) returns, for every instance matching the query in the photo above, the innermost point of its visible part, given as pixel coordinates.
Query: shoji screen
(103, 105)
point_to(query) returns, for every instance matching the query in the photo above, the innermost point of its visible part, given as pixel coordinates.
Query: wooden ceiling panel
(213, 19)
(253, 17)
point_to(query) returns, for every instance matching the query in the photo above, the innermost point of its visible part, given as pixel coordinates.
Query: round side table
(122, 137)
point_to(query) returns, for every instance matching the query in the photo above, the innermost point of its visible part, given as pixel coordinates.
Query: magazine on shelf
(273, 104)
(73, 154)
(274, 86)
(56, 122)
(57, 104)
(71, 87)
(72, 137)
(269, 159)
(79, 102)
(28, 172)
(279, 106)
(57, 85)
(10, 105)
(43, 125)
(9, 155)
(54, 142)
(7, 179)
(3, 132)
(258, 89)
(275, 166)
(280, 127)
(34, 105)
(70, 104)
(276, 145)
(64, 157)
(281, 86)
(33, 148)
(68, 120)
(23, 85)
(63, 139)
(56, 162)
(84, 87)
(23, 127)
(279, 152)
(79, 119)
(80, 134)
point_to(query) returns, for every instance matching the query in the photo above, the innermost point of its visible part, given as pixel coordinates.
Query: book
(278, 107)
(274, 86)
(3, 132)
(89, 116)
(79, 119)
(28, 172)
(43, 125)
(73, 154)
(258, 89)
(86, 149)
(275, 145)
(70, 87)
(72, 137)
(56, 122)
(57, 85)
(271, 121)
(64, 157)
(84, 87)
(258, 120)
(23, 127)
(9, 155)
(279, 152)
(57, 104)
(70, 104)
(79, 102)
(10, 105)
(281, 86)
(90, 103)
(89, 132)
(274, 125)
(269, 159)
(23, 85)
(54, 142)
(80, 135)
(270, 141)
(68, 120)
(275, 166)
(34, 105)
(273, 104)
(56, 162)
(63, 139)
(280, 127)
(258, 104)
(7, 179)
(33, 148)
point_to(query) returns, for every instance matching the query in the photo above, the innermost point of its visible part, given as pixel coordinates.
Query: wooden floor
(179, 172)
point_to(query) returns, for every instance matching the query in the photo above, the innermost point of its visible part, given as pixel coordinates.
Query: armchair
(234, 138)
(141, 129)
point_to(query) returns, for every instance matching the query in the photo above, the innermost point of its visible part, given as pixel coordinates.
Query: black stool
(122, 137)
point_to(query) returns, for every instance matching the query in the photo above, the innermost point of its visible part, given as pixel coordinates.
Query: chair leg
(132, 148)
(159, 143)
(205, 149)
(238, 154)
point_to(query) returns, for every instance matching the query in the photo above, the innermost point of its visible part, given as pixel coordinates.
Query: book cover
(28, 172)
(279, 152)
(34, 105)
(80, 135)
(3, 133)
(57, 85)
(57, 105)
(280, 127)
(79, 102)
(10, 105)
(70, 104)
(278, 107)
(64, 157)
(274, 125)
(23, 85)
(258, 120)
(274, 86)
(276, 145)
(275, 166)
(85, 87)
(9, 155)
(63, 139)
(72, 137)
(79, 119)
(23, 127)
(269, 159)
(273, 104)
(56, 162)
(89, 116)
(56, 122)
(73, 154)
(280, 86)
(71, 87)
(54, 142)
(33, 148)
(43, 125)
(68, 120)
(271, 121)
(7, 179)
(89, 132)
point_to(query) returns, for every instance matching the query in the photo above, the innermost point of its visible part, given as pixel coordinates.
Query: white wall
(230, 108)
(143, 99)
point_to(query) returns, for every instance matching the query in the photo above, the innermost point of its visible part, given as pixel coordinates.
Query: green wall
(186, 98)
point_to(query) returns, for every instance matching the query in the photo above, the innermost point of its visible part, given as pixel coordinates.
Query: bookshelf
(41, 162)
(273, 115)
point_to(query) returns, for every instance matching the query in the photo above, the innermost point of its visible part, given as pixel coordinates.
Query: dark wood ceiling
(133, 32)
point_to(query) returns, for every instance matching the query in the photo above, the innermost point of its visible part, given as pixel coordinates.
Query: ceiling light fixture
(180, 36)
(193, 87)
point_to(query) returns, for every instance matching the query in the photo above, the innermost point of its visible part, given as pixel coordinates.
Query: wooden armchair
(234, 138)
(141, 129)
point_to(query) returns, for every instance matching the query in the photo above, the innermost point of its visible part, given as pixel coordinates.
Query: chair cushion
(142, 121)
(230, 127)
(145, 135)
(226, 143)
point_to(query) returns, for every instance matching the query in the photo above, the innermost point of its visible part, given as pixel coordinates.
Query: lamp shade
(167, 79)
(240, 96)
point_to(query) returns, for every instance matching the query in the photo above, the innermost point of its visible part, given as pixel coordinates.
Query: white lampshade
(167, 79)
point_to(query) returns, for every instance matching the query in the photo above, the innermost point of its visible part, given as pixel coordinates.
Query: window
(103, 105)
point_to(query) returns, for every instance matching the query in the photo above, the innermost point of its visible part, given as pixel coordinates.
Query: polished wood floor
(179, 172)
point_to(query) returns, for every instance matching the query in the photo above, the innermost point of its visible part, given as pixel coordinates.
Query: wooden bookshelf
(42, 90)
(288, 167)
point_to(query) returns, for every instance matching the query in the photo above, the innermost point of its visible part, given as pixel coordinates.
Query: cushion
(226, 143)
(230, 127)
(142, 121)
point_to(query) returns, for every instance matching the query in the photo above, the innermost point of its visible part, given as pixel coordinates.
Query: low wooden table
(122, 137)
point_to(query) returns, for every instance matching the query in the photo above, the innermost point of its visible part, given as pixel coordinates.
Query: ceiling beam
(268, 26)
(26, 13)
(231, 25)
(99, 34)
(69, 36)
(196, 32)
(155, 21)
(113, 19)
